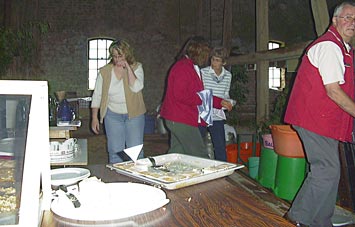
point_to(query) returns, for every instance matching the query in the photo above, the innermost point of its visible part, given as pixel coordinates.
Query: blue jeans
(218, 138)
(121, 133)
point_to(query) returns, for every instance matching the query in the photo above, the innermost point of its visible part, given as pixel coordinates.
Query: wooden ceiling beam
(295, 51)
(284, 53)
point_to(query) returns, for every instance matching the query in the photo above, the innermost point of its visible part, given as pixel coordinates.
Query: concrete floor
(154, 144)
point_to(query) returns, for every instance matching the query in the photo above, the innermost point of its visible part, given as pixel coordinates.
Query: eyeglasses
(117, 55)
(348, 18)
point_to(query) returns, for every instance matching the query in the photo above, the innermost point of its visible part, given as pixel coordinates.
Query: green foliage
(238, 91)
(19, 42)
(277, 113)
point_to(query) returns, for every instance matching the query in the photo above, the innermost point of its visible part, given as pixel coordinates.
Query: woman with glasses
(118, 101)
(216, 78)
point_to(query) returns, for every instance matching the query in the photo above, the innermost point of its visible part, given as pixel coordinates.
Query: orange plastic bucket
(246, 151)
(286, 141)
(232, 153)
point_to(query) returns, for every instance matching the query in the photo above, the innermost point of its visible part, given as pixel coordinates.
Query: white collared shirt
(328, 58)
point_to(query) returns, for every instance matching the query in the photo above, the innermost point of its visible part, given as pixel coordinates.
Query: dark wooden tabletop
(220, 202)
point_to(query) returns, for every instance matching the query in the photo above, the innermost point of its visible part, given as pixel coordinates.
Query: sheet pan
(182, 170)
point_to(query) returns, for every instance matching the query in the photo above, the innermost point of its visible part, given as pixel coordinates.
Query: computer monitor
(24, 152)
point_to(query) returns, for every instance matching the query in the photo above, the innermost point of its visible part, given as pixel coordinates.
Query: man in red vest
(321, 110)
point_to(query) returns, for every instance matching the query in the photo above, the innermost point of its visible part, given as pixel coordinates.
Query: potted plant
(275, 118)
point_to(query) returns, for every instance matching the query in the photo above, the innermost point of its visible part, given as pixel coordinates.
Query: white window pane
(271, 72)
(101, 63)
(273, 45)
(93, 44)
(98, 57)
(92, 84)
(92, 64)
(102, 54)
(101, 43)
(270, 45)
(93, 53)
(274, 77)
(277, 73)
(92, 74)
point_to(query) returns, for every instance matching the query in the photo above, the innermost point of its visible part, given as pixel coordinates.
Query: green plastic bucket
(290, 173)
(253, 166)
(267, 167)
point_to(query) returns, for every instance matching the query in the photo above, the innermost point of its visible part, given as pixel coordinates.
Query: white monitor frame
(36, 170)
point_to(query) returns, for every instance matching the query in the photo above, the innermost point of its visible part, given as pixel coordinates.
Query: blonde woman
(118, 101)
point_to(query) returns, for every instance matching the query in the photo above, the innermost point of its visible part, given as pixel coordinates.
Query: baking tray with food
(173, 171)
(9, 202)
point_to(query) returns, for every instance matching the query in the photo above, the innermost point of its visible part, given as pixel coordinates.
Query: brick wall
(156, 29)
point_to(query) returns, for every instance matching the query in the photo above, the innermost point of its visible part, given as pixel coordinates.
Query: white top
(220, 86)
(328, 58)
(116, 96)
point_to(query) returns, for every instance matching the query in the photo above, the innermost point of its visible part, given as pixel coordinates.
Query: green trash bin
(290, 173)
(267, 167)
(253, 166)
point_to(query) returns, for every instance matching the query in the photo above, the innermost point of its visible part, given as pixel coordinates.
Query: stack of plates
(66, 157)
(68, 176)
(59, 154)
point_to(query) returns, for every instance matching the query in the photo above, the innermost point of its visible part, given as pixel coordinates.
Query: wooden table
(220, 202)
(60, 132)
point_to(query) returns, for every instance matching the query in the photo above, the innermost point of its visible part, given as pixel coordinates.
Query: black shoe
(296, 223)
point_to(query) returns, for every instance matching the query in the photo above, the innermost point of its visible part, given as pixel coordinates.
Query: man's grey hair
(340, 7)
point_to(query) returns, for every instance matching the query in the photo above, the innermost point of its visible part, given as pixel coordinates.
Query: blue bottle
(64, 112)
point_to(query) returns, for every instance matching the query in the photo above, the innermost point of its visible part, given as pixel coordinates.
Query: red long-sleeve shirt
(181, 98)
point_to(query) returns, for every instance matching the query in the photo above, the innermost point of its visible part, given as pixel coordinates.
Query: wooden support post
(227, 24)
(262, 68)
(320, 15)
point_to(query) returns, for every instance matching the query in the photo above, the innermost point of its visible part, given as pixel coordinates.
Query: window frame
(279, 79)
(99, 58)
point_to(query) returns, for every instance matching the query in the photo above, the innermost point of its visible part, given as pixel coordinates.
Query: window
(274, 45)
(276, 74)
(98, 56)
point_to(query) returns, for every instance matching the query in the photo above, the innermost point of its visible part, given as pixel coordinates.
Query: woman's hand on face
(122, 64)
(226, 104)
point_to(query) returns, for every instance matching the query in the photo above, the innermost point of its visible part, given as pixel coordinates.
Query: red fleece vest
(309, 105)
